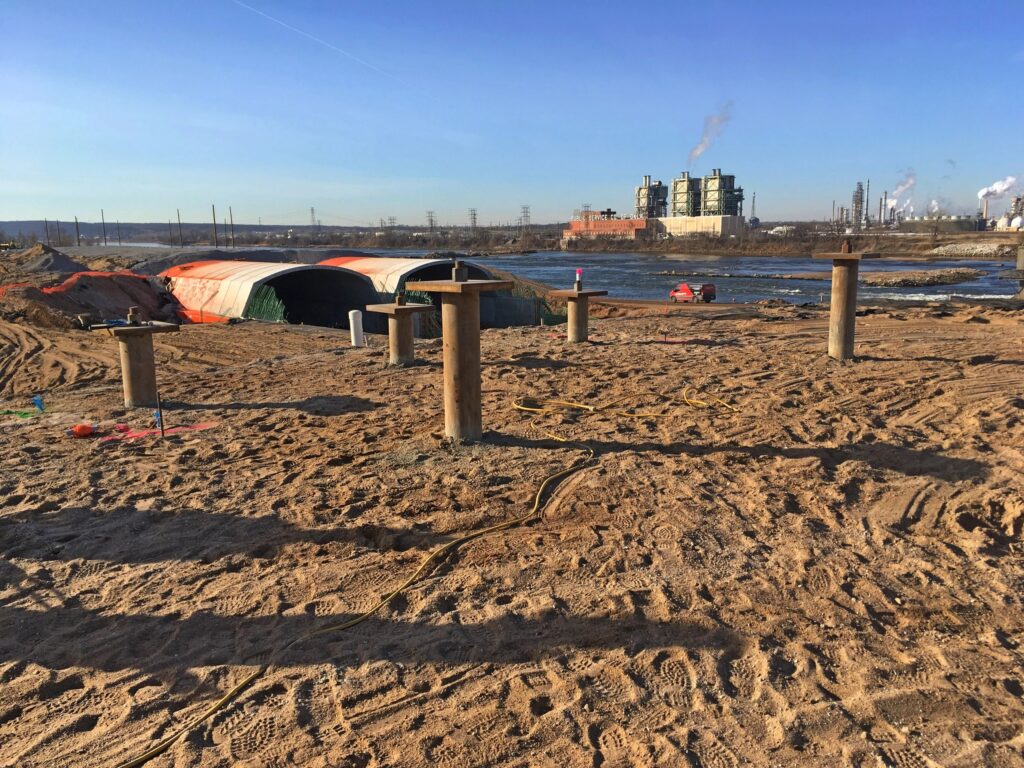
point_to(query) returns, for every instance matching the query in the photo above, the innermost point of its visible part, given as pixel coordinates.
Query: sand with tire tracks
(830, 575)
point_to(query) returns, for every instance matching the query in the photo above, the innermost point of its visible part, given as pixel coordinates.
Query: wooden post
(843, 310)
(460, 326)
(213, 210)
(103, 221)
(181, 240)
(138, 365)
(401, 346)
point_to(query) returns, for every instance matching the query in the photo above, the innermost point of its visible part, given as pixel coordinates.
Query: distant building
(592, 224)
(712, 205)
(651, 199)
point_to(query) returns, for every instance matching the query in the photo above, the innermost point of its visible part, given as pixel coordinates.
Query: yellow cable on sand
(529, 405)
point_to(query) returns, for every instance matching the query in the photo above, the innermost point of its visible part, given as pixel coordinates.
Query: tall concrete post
(842, 316)
(460, 328)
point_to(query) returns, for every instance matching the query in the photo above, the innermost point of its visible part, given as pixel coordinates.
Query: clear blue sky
(400, 107)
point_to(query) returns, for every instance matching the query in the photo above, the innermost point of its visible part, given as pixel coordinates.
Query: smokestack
(984, 209)
(647, 181)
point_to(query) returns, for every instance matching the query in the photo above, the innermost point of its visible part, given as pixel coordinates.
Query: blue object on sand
(37, 401)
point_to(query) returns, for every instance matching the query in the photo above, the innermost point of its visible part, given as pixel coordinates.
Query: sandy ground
(830, 576)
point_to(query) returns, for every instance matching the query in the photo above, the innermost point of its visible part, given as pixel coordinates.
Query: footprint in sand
(709, 752)
(904, 757)
(747, 674)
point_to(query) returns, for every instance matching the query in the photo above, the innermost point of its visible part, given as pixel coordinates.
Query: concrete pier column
(578, 308)
(138, 364)
(460, 322)
(401, 345)
(138, 370)
(842, 316)
(460, 328)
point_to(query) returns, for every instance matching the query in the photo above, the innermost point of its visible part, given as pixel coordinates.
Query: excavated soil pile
(35, 260)
(98, 296)
(829, 576)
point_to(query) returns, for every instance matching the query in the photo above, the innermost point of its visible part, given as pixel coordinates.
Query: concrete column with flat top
(843, 310)
(401, 347)
(460, 329)
(138, 365)
(578, 304)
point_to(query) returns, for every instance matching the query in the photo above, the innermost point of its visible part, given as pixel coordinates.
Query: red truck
(684, 293)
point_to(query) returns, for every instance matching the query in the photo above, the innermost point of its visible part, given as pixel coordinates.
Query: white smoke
(906, 185)
(997, 189)
(713, 127)
(934, 207)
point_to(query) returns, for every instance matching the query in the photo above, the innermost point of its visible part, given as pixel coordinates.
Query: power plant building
(712, 205)
(651, 199)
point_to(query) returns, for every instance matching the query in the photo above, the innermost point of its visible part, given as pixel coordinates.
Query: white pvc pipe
(355, 322)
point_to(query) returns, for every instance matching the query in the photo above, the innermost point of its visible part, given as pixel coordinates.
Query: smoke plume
(934, 207)
(906, 185)
(997, 189)
(713, 127)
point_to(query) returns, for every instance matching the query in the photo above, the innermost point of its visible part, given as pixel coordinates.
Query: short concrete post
(355, 324)
(460, 326)
(138, 370)
(138, 365)
(401, 346)
(843, 310)
(578, 309)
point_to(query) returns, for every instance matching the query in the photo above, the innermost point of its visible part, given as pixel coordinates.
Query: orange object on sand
(82, 430)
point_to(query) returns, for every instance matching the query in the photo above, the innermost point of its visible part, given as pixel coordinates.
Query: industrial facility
(709, 205)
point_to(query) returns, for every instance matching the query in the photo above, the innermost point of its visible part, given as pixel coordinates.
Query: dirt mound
(43, 258)
(98, 296)
(40, 259)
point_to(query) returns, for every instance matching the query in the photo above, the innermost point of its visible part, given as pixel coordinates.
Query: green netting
(264, 304)
(430, 322)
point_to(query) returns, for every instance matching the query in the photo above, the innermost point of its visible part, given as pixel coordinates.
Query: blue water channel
(736, 278)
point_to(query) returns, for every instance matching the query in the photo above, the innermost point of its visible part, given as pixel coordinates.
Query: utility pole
(118, 233)
(170, 233)
(213, 210)
(78, 235)
(46, 227)
(58, 233)
(103, 220)
(181, 241)
(231, 215)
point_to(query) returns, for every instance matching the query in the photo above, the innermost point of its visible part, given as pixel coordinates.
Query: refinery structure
(709, 205)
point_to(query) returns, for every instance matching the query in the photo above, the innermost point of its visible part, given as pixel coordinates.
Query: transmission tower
(312, 217)
(472, 219)
(391, 222)
(524, 219)
(431, 221)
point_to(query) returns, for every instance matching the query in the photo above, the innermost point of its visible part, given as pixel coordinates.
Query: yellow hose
(529, 405)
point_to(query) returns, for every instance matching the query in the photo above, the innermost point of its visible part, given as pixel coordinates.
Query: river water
(736, 278)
